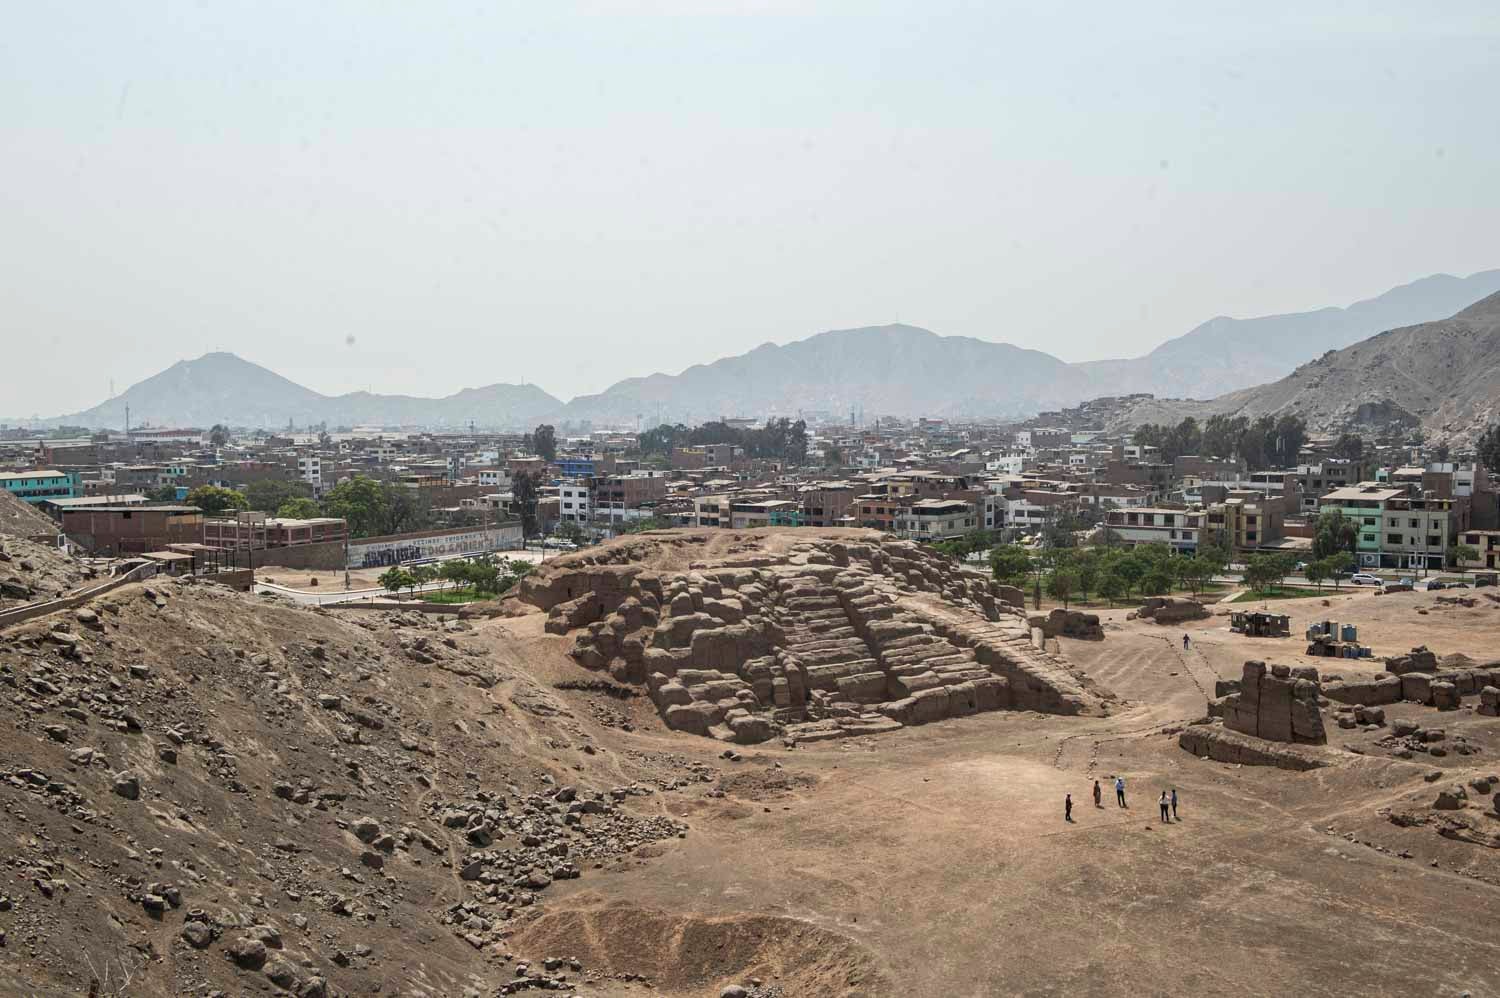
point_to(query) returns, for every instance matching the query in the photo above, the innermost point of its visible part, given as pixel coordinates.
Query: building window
(1393, 538)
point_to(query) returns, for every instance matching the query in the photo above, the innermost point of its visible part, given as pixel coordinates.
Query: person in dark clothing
(1184, 642)
(1174, 803)
(1098, 795)
(1120, 790)
(1164, 806)
(1068, 808)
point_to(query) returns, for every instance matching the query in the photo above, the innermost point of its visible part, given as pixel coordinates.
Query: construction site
(749, 764)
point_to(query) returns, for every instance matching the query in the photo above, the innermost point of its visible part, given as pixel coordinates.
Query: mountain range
(224, 388)
(1441, 376)
(894, 370)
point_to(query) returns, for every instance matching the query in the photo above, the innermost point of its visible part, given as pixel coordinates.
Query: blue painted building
(576, 467)
(39, 485)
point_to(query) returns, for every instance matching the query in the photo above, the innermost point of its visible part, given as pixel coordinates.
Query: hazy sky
(572, 193)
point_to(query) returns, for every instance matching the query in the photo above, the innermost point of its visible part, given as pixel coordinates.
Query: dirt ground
(942, 850)
(930, 862)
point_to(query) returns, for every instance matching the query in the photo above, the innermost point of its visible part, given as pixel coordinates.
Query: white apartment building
(310, 470)
(493, 478)
(1010, 464)
(936, 519)
(573, 502)
(1179, 529)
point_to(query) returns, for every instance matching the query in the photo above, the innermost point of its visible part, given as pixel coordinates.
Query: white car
(1365, 579)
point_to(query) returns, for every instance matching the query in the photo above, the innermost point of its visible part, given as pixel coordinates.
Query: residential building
(1179, 529)
(493, 478)
(1245, 521)
(573, 501)
(1486, 544)
(1399, 526)
(936, 519)
(39, 484)
(764, 513)
(310, 470)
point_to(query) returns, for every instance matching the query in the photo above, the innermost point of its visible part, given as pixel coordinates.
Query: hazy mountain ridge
(1225, 354)
(895, 369)
(877, 370)
(224, 388)
(1443, 376)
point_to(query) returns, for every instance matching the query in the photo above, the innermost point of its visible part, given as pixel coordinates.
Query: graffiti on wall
(460, 544)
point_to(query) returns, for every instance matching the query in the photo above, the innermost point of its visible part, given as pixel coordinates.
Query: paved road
(338, 595)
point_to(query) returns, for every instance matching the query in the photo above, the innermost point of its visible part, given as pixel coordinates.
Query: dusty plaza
(776, 762)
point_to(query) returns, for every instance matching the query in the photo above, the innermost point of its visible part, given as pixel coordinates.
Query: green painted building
(38, 485)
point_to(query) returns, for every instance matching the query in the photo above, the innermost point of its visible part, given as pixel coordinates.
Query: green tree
(524, 496)
(423, 574)
(1110, 585)
(376, 508)
(395, 579)
(571, 531)
(832, 457)
(796, 444)
(661, 440)
(455, 570)
(1196, 571)
(1011, 563)
(1061, 584)
(1334, 532)
(544, 442)
(1156, 582)
(167, 493)
(1460, 553)
(1349, 447)
(1286, 440)
(1339, 563)
(362, 502)
(215, 501)
(1316, 571)
(1087, 568)
(1131, 569)
(642, 525)
(1487, 447)
(269, 494)
(300, 508)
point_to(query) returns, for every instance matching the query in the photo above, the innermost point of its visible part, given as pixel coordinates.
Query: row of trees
(1106, 572)
(485, 575)
(1266, 442)
(779, 440)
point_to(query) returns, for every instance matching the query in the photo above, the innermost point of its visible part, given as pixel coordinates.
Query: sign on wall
(457, 544)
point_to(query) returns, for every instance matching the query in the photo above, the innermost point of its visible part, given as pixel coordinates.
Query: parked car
(1365, 579)
(1484, 579)
(1432, 584)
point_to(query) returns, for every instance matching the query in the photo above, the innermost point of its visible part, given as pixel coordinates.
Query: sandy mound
(693, 954)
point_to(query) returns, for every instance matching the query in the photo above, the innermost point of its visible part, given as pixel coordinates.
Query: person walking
(1174, 804)
(1184, 642)
(1098, 795)
(1164, 806)
(1068, 808)
(1120, 790)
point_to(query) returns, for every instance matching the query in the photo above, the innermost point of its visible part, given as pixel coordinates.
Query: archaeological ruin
(830, 635)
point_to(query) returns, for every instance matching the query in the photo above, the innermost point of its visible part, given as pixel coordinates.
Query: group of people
(1167, 802)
